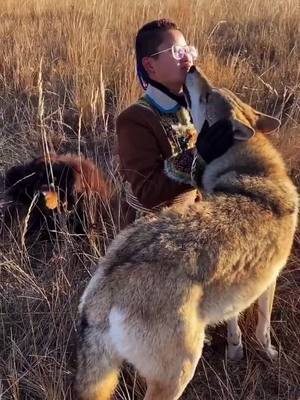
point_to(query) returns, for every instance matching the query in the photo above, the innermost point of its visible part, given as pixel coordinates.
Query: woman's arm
(141, 144)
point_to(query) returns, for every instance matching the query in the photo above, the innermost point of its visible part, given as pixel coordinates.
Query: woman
(158, 126)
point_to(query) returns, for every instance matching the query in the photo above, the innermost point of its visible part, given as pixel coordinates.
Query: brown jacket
(143, 146)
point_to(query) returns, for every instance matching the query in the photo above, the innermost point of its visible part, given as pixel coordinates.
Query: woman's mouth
(186, 65)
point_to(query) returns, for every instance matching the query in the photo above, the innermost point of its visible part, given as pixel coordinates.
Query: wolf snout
(192, 69)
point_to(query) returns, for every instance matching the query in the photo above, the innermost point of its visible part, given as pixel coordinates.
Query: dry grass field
(66, 70)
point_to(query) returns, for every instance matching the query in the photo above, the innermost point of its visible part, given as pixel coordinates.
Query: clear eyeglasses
(179, 52)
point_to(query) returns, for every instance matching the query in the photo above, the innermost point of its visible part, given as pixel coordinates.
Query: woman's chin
(186, 66)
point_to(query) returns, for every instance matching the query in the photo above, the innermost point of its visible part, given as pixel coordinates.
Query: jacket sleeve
(142, 162)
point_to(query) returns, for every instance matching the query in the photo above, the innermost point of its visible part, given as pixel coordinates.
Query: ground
(66, 70)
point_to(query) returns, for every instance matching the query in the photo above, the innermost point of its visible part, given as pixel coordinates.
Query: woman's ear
(147, 63)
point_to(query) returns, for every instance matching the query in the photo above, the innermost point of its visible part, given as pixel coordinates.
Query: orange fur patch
(51, 200)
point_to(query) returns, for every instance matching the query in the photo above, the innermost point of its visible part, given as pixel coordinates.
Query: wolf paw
(271, 352)
(235, 352)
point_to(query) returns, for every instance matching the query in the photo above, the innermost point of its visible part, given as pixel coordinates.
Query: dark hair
(148, 38)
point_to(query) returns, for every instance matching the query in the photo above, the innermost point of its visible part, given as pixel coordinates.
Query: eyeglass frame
(171, 48)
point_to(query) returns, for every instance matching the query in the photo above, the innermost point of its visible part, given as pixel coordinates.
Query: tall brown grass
(66, 70)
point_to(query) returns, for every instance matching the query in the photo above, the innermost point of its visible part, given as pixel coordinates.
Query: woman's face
(164, 68)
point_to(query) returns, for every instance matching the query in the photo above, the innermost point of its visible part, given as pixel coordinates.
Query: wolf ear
(265, 123)
(242, 131)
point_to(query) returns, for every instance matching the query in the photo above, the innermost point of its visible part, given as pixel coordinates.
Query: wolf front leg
(265, 304)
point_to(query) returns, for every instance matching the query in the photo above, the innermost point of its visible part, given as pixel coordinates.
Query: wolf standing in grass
(168, 276)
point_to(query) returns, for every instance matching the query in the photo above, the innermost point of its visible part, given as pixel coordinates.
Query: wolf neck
(255, 170)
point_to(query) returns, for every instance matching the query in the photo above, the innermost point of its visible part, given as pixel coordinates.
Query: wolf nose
(192, 69)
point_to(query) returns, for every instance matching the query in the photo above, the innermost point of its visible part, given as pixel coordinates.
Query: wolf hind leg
(234, 340)
(97, 366)
(183, 369)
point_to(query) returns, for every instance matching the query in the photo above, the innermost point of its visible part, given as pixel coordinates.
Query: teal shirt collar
(161, 100)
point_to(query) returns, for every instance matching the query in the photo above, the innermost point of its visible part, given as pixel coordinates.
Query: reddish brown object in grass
(56, 183)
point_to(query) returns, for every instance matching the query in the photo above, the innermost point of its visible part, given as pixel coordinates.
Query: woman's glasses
(179, 52)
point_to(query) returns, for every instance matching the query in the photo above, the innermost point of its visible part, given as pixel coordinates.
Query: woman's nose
(186, 56)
